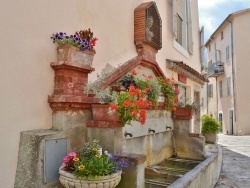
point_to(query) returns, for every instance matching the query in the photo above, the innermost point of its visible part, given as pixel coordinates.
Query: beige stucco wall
(219, 104)
(241, 51)
(26, 77)
(241, 42)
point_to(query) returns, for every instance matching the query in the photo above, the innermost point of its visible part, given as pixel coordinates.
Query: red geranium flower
(134, 113)
(127, 104)
(113, 106)
(150, 77)
(134, 72)
(174, 108)
(137, 91)
(147, 89)
(93, 42)
(132, 88)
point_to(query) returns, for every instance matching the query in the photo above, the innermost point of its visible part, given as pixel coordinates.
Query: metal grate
(153, 26)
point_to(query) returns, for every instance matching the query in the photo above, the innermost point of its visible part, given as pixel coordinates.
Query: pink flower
(72, 154)
(63, 164)
(66, 159)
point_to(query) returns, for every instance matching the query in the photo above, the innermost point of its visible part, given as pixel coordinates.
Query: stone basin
(167, 171)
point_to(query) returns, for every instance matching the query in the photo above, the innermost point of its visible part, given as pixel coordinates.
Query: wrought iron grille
(154, 33)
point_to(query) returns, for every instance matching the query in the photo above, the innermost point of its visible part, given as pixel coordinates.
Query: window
(227, 53)
(182, 24)
(210, 63)
(221, 35)
(229, 86)
(179, 29)
(210, 90)
(182, 94)
(220, 89)
(220, 120)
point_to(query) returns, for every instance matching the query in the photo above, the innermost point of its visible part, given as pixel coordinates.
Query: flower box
(100, 113)
(210, 138)
(75, 55)
(183, 113)
(68, 180)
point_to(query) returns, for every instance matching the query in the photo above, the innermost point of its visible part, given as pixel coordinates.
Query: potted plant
(106, 96)
(184, 109)
(210, 128)
(77, 48)
(92, 167)
(130, 104)
(127, 80)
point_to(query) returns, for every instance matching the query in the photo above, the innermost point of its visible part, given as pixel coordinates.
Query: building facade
(228, 95)
(27, 50)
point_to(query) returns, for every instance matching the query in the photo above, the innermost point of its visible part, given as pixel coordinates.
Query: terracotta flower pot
(68, 180)
(183, 113)
(100, 113)
(75, 55)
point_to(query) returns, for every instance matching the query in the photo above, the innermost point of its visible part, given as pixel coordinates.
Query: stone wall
(188, 145)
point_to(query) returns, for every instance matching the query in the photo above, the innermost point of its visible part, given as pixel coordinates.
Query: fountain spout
(167, 127)
(151, 130)
(128, 134)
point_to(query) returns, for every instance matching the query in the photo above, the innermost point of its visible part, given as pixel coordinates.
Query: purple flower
(85, 45)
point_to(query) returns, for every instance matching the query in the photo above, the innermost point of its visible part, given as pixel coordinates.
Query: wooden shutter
(174, 18)
(189, 29)
(202, 45)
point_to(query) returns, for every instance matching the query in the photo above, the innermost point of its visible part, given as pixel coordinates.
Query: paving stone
(235, 172)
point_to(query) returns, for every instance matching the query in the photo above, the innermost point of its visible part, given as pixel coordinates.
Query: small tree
(209, 124)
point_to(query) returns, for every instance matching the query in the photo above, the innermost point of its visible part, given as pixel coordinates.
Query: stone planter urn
(183, 113)
(100, 113)
(210, 138)
(68, 180)
(75, 55)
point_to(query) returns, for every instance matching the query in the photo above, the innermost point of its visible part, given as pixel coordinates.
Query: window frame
(229, 86)
(227, 53)
(220, 89)
(182, 11)
(210, 90)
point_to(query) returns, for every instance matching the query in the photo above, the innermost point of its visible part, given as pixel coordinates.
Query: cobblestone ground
(235, 172)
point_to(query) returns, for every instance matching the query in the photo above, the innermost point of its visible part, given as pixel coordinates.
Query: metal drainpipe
(233, 74)
(207, 97)
(217, 98)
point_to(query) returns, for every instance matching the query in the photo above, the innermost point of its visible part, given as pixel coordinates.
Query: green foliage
(154, 89)
(209, 124)
(154, 92)
(168, 91)
(125, 111)
(188, 106)
(141, 84)
(106, 96)
(128, 77)
(94, 163)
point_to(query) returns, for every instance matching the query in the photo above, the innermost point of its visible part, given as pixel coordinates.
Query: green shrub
(209, 124)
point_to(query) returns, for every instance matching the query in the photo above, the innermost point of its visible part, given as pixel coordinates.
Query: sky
(213, 12)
